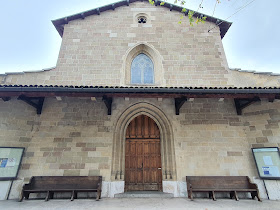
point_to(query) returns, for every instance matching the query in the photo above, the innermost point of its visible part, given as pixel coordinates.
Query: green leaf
(180, 22)
(162, 3)
(152, 2)
(184, 10)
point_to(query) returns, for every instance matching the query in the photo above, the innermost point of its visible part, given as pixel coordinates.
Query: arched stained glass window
(142, 70)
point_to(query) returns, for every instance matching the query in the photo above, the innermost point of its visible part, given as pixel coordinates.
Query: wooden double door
(143, 156)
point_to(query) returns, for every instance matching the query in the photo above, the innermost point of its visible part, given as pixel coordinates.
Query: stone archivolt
(166, 136)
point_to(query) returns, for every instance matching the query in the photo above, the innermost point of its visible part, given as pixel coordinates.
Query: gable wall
(93, 50)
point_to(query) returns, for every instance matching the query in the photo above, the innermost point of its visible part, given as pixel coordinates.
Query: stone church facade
(90, 102)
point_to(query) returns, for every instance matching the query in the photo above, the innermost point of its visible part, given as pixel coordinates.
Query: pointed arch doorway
(143, 155)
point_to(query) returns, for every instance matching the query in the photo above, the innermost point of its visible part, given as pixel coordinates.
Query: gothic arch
(150, 51)
(166, 136)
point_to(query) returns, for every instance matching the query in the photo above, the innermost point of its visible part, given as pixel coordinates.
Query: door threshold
(144, 194)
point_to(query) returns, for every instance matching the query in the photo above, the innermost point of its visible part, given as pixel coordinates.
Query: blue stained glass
(142, 70)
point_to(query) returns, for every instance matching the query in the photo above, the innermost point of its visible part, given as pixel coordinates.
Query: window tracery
(142, 70)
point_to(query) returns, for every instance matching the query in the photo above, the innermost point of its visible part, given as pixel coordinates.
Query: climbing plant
(190, 14)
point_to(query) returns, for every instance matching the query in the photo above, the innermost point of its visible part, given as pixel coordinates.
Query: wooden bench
(212, 184)
(52, 184)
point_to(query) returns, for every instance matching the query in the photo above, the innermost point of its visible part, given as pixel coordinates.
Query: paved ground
(140, 203)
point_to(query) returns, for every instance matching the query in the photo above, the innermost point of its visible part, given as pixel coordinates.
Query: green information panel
(10, 160)
(268, 162)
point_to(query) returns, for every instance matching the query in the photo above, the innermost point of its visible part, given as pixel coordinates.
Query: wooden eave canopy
(34, 94)
(137, 91)
(59, 23)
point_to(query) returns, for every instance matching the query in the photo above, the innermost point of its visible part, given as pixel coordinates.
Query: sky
(29, 41)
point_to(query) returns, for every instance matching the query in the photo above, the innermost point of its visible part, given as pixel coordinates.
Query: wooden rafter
(179, 103)
(243, 103)
(108, 102)
(36, 102)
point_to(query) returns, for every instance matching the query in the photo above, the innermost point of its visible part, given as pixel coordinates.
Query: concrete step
(144, 194)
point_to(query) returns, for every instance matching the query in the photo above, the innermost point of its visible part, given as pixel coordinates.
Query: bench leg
(190, 195)
(235, 196)
(253, 194)
(98, 195)
(231, 195)
(48, 196)
(258, 196)
(26, 195)
(51, 195)
(21, 197)
(213, 196)
(73, 195)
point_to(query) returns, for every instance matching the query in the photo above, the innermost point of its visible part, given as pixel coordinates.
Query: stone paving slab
(140, 203)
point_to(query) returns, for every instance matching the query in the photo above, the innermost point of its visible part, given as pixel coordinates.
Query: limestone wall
(249, 79)
(70, 137)
(263, 119)
(75, 137)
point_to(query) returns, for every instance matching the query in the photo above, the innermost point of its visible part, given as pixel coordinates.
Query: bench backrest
(64, 182)
(219, 182)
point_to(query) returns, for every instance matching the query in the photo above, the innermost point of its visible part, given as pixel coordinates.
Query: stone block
(80, 144)
(267, 133)
(24, 139)
(234, 153)
(94, 173)
(29, 154)
(25, 166)
(261, 139)
(75, 134)
(71, 173)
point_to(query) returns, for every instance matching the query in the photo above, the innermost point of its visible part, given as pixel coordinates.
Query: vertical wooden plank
(138, 127)
(132, 129)
(146, 127)
(152, 134)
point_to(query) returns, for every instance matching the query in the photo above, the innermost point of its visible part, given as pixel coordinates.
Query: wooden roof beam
(108, 102)
(179, 102)
(243, 103)
(36, 102)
